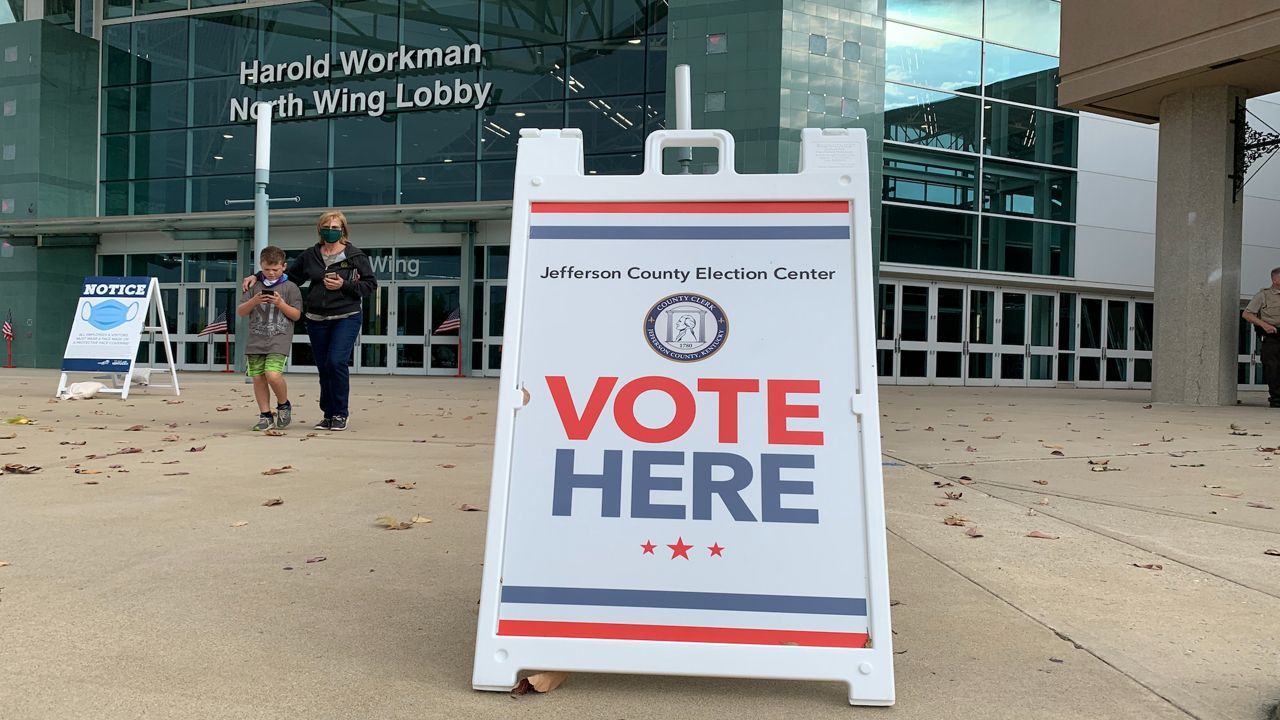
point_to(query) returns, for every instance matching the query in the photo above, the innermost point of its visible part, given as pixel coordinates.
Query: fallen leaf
(953, 495)
(973, 532)
(1099, 462)
(173, 402)
(87, 471)
(420, 520)
(20, 420)
(1186, 465)
(272, 502)
(1227, 495)
(523, 687)
(1237, 427)
(965, 480)
(176, 474)
(929, 429)
(940, 484)
(1141, 444)
(1042, 501)
(90, 482)
(1261, 506)
(274, 433)
(970, 448)
(3, 563)
(16, 469)
(448, 466)
(1059, 453)
(68, 442)
(198, 449)
(990, 437)
(955, 520)
(391, 523)
(1271, 551)
(1266, 449)
(1146, 407)
(134, 428)
(171, 438)
(1211, 487)
(1149, 566)
(942, 503)
(277, 471)
(1041, 535)
(406, 485)
(317, 559)
(1105, 468)
(1051, 447)
(1165, 439)
(240, 523)
(466, 507)
(988, 419)
(222, 408)
(1040, 482)
(547, 681)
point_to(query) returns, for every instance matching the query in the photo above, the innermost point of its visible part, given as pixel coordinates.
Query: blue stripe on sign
(695, 232)
(88, 365)
(684, 600)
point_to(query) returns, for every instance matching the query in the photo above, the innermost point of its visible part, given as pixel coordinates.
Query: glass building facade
(168, 143)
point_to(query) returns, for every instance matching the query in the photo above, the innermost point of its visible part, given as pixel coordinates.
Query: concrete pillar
(1197, 283)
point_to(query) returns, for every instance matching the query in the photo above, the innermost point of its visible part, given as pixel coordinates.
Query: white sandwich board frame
(771, 561)
(111, 316)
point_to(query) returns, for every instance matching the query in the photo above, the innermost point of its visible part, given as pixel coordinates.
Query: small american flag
(219, 325)
(8, 327)
(453, 322)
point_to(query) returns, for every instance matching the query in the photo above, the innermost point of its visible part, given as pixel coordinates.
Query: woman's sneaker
(324, 424)
(337, 423)
(284, 415)
(265, 422)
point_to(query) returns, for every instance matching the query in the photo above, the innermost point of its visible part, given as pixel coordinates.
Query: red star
(679, 549)
(716, 550)
(648, 547)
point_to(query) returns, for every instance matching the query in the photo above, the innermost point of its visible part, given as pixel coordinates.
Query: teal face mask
(330, 235)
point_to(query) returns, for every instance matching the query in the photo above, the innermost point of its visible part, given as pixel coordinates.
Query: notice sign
(687, 467)
(107, 325)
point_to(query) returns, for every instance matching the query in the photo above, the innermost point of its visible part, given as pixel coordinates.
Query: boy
(272, 307)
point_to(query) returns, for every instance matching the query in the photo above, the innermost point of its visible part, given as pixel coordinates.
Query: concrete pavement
(144, 596)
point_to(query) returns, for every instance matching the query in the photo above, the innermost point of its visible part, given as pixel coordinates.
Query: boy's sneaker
(265, 422)
(284, 415)
(324, 424)
(338, 423)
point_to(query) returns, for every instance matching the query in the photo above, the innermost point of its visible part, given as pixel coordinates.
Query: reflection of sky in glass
(900, 96)
(1031, 24)
(962, 16)
(934, 59)
(10, 11)
(1003, 63)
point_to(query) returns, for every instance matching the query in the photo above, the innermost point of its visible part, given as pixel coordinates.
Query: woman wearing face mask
(340, 276)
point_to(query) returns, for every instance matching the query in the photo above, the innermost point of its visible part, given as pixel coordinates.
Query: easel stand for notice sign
(108, 328)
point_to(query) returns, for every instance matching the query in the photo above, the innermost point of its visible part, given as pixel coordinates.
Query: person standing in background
(1263, 312)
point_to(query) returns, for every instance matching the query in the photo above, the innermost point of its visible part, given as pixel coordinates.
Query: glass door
(913, 335)
(373, 346)
(1143, 325)
(980, 345)
(1117, 359)
(1011, 331)
(411, 323)
(443, 352)
(948, 342)
(1089, 343)
(1042, 340)
(1249, 362)
(495, 315)
(886, 331)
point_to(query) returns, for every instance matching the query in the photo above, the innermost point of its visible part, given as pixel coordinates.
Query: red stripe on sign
(677, 633)
(836, 206)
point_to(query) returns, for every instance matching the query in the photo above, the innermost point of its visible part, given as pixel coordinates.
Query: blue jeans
(331, 344)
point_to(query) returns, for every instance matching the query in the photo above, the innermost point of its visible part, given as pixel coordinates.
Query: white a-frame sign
(111, 316)
(686, 474)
